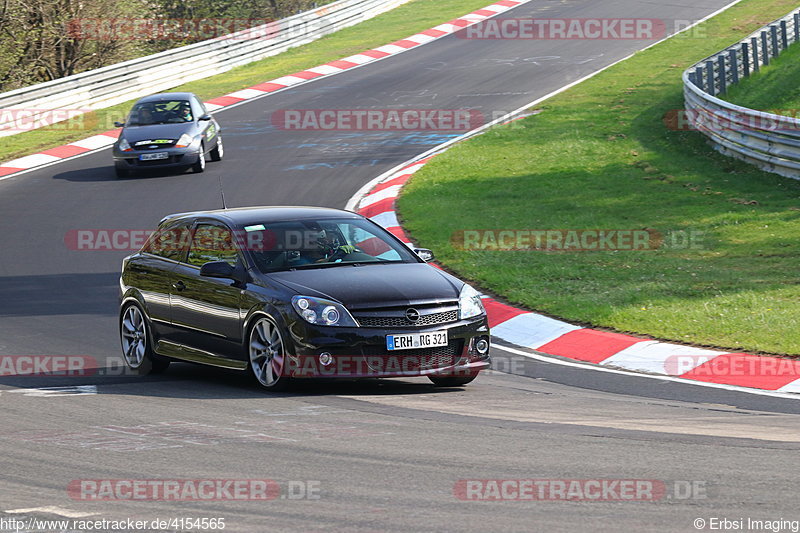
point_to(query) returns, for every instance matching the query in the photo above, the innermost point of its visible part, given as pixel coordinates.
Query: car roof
(166, 96)
(245, 216)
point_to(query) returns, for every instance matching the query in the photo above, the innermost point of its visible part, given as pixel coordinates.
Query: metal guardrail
(767, 140)
(114, 84)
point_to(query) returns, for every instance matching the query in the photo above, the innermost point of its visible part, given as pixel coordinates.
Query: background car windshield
(321, 243)
(163, 112)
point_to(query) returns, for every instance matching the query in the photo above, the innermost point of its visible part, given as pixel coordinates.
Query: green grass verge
(410, 18)
(600, 156)
(774, 87)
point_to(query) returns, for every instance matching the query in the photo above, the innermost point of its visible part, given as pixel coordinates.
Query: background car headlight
(322, 312)
(184, 141)
(469, 303)
(124, 145)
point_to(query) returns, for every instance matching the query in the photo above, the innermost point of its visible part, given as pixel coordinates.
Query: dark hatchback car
(167, 130)
(297, 292)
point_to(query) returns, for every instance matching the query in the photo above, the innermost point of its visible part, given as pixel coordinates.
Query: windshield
(327, 243)
(163, 112)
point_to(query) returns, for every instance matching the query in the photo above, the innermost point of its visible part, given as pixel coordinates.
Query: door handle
(179, 285)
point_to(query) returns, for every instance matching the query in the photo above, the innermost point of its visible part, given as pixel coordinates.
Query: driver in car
(186, 113)
(327, 247)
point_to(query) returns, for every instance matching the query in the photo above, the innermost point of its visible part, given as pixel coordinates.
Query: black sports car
(291, 292)
(168, 130)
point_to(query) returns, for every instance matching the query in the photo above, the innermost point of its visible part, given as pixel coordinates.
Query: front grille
(380, 359)
(369, 321)
(155, 146)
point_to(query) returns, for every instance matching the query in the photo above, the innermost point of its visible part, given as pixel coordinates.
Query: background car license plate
(155, 155)
(416, 340)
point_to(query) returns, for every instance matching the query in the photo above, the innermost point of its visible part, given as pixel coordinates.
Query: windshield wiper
(317, 265)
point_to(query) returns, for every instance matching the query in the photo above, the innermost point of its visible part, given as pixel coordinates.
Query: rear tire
(136, 345)
(200, 166)
(218, 151)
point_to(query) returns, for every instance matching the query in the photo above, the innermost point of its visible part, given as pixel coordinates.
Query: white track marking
(585, 366)
(50, 392)
(60, 511)
(353, 202)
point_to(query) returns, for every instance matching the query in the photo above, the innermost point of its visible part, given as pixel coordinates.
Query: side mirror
(218, 269)
(204, 117)
(424, 254)
(119, 124)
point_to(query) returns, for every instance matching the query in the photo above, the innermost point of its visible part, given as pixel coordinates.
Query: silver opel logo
(412, 315)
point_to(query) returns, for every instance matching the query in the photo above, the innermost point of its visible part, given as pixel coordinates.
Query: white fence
(114, 84)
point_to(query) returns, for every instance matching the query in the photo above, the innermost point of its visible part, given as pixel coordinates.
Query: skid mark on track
(179, 434)
(558, 409)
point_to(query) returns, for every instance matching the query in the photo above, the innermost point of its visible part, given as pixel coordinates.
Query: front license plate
(153, 156)
(411, 341)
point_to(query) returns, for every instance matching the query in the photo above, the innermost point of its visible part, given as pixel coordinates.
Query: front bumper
(177, 157)
(362, 352)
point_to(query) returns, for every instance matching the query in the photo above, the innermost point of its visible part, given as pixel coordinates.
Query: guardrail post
(784, 35)
(698, 77)
(764, 49)
(712, 86)
(754, 43)
(745, 60)
(773, 30)
(796, 27)
(723, 77)
(734, 65)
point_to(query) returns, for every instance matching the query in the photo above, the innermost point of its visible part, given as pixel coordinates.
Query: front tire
(218, 151)
(267, 355)
(200, 166)
(136, 347)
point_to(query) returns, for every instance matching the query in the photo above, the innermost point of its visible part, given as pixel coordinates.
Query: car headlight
(124, 145)
(322, 312)
(469, 303)
(184, 141)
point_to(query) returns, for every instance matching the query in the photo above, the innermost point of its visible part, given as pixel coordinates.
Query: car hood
(158, 131)
(366, 286)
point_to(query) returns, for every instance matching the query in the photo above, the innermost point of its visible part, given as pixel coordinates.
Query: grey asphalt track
(385, 455)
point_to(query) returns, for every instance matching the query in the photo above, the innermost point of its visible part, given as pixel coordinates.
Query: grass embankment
(775, 87)
(600, 156)
(410, 18)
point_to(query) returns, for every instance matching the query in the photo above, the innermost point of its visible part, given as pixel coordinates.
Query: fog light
(482, 346)
(325, 359)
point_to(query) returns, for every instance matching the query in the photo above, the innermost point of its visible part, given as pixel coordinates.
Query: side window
(212, 243)
(169, 241)
(200, 107)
